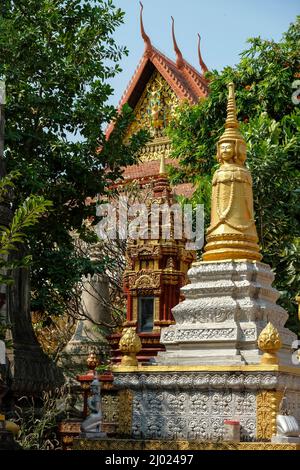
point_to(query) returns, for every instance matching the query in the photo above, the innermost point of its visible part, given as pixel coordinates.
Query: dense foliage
(14, 234)
(264, 80)
(57, 57)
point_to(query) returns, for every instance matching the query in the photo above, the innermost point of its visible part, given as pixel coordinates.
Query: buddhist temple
(157, 86)
(224, 356)
(156, 269)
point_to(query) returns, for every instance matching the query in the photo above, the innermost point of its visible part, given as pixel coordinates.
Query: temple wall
(194, 405)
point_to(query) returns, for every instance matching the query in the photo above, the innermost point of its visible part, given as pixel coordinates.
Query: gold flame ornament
(232, 233)
(130, 344)
(269, 342)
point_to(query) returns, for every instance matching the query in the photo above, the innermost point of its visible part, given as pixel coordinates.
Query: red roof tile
(145, 169)
(186, 82)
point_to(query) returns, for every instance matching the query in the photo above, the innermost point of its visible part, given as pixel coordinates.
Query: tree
(57, 57)
(11, 236)
(271, 125)
(14, 271)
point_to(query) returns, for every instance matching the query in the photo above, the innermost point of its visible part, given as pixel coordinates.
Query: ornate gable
(157, 86)
(153, 112)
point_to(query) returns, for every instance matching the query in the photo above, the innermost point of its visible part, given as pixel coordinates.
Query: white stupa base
(226, 306)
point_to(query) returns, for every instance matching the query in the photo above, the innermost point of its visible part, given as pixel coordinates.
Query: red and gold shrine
(156, 269)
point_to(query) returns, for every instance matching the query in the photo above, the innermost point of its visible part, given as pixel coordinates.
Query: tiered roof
(186, 82)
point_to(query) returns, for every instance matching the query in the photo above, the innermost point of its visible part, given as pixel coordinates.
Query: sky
(224, 26)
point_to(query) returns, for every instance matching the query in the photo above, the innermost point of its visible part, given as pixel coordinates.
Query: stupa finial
(179, 57)
(201, 61)
(232, 232)
(231, 120)
(130, 345)
(148, 45)
(232, 132)
(269, 342)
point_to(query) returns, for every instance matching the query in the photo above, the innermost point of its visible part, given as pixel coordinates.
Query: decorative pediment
(153, 112)
(144, 280)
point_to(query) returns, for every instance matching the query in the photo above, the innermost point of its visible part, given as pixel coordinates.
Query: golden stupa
(232, 232)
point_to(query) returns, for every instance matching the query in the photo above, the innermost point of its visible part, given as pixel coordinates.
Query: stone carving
(151, 281)
(125, 412)
(144, 280)
(198, 334)
(267, 403)
(200, 403)
(202, 400)
(91, 426)
(203, 380)
(191, 414)
(110, 406)
(167, 335)
(248, 333)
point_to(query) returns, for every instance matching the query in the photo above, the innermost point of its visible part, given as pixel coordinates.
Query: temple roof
(144, 172)
(185, 81)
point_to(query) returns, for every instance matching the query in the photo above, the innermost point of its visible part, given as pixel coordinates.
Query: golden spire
(179, 58)
(162, 167)
(148, 45)
(201, 62)
(232, 232)
(232, 130)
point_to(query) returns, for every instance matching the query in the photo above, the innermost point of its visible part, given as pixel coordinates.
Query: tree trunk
(32, 370)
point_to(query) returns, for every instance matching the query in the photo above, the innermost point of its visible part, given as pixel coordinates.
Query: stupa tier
(226, 306)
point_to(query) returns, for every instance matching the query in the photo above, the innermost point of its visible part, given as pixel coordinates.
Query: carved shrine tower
(156, 269)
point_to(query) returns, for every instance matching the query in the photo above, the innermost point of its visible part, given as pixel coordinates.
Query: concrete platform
(156, 444)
